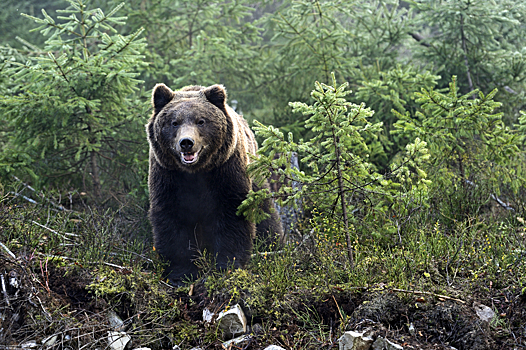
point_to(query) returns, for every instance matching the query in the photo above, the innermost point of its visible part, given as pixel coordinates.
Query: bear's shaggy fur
(199, 150)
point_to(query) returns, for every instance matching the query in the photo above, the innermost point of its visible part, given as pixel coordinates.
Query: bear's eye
(174, 124)
(201, 122)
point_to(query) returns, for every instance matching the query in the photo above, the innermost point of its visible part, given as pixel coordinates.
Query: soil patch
(40, 300)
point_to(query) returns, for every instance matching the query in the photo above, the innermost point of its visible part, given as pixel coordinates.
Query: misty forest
(392, 134)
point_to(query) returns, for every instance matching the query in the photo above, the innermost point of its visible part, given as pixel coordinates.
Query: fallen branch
(10, 253)
(427, 293)
(166, 284)
(267, 253)
(494, 197)
(26, 198)
(501, 203)
(58, 206)
(4, 291)
(90, 262)
(46, 314)
(55, 232)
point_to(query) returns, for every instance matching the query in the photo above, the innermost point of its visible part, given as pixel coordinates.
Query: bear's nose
(186, 144)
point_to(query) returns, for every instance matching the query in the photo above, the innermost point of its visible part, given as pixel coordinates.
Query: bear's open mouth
(189, 158)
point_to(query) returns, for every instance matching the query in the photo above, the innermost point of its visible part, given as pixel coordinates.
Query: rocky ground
(54, 308)
(89, 279)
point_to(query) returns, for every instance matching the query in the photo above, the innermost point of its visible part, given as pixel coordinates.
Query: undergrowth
(81, 264)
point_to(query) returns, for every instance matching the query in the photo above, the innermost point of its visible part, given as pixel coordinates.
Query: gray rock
(50, 341)
(232, 322)
(207, 315)
(115, 321)
(384, 344)
(354, 341)
(142, 349)
(257, 328)
(236, 341)
(412, 329)
(14, 279)
(274, 347)
(485, 313)
(118, 340)
(31, 344)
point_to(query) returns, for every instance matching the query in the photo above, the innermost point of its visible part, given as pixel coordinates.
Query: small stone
(31, 344)
(233, 322)
(354, 341)
(485, 313)
(142, 349)
(257, 328)
(207, 315)
(274, 347)
(118, 340)
(236, 341)
(115, 321)
(384, 344)
(412, 330)
(13, 279)
(50, 341)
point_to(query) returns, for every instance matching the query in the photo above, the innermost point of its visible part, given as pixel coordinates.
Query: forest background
(421, 155)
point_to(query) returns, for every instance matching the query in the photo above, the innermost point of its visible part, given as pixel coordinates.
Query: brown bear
(199, 152)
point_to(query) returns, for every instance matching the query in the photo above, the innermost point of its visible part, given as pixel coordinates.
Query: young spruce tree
(470, 146)
(307, 40)
(339, 183)
(481, 42)
(71, 112)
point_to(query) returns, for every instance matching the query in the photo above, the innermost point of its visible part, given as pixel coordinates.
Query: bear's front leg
(177, 245)
(233, 242)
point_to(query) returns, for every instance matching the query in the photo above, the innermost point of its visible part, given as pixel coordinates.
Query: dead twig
(4, 290)
(26, 198)
(267, 253)
(58, 206)
(338, 307)
(91, 262)
(55, 232)
(10, 253)
(427, 293)
(166, 284)
(46, 314)
(45, 276)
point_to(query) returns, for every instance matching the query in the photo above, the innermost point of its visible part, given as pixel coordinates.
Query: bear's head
(191, 129)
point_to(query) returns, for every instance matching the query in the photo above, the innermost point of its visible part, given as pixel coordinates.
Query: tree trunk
(95, 175)
(341, 191)
(465, 50)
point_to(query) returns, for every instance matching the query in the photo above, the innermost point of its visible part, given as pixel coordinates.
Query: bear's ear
(161, 95)
(216, 94)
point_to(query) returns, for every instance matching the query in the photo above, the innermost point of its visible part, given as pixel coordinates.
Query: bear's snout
(186, 144)
(188, 139)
